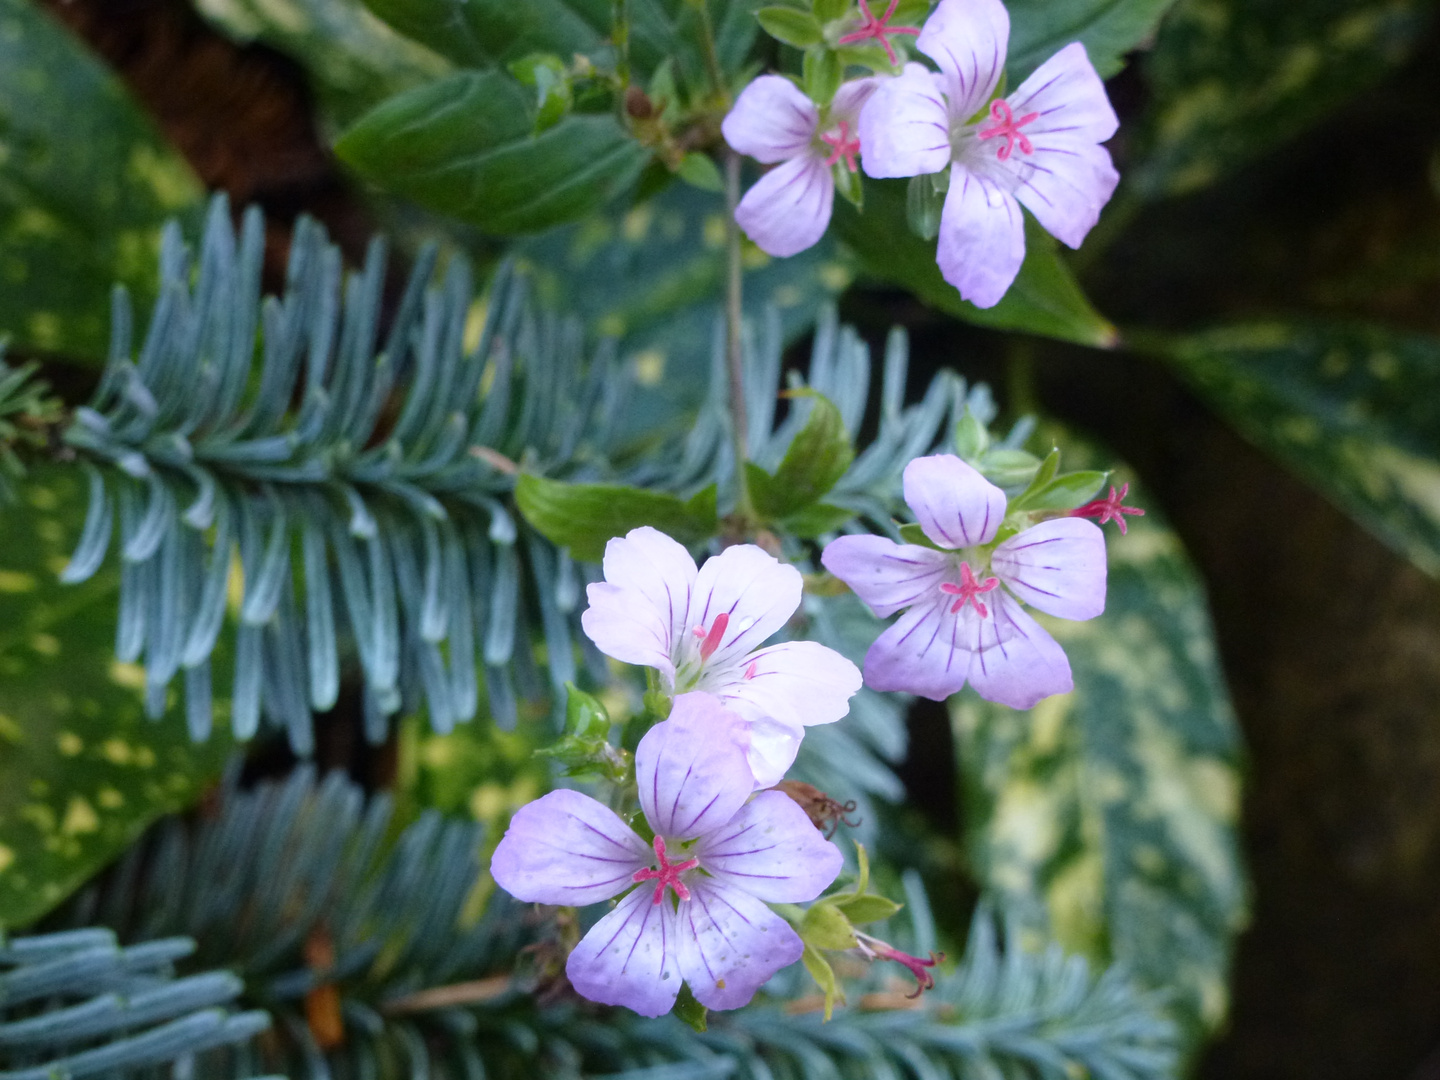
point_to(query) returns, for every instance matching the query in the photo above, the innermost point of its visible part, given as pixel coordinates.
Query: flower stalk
(734, 330)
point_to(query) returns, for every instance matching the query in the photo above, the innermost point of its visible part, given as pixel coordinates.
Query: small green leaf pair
(816, 459)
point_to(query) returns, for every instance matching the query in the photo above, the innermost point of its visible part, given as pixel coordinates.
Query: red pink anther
(1109, 509)
(710, 639)
(669, 873)
(969, 590)
(882, 950)
(1007, 127)
(871, 27)
(843, 145)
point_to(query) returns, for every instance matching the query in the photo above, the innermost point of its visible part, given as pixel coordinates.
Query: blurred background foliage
(1251, 335)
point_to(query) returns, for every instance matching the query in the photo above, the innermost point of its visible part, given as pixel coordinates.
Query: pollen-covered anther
(668, 875)
(969, 590)
(878, 29)
(844, 145)
(1005, 126)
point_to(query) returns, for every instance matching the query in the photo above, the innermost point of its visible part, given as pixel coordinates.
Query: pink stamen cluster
(1005, 126)
(844, 145)
(1110, 508)
(710, 639)
(969, 590)
(879, 29)
(668, 875)
(882, 950)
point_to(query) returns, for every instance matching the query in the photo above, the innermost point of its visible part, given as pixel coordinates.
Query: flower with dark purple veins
(696, 907)
(963, 618)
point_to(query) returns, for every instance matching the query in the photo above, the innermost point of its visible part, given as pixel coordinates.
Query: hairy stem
(734, 314)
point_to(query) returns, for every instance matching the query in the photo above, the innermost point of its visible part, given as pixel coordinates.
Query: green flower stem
(739, 423)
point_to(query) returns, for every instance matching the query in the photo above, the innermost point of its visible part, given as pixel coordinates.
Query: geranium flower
(701, 630)
(789, 207)
(698, 913)
(1040, 145)
(964, 620)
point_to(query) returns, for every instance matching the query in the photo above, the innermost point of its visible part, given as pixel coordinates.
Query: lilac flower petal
(772, 120)
(1057, 566)
(923, 653)
(771, 850)
(757, 592)
(851, 98)
(566, 848)
(886, 575)
(692, 770)
(630, 957)
(730, 944)
(789, 207)
(798, 682)
(638, 611)
(954, 504)
(1066, 185)
(982, 237)
(967, 39)
(773, 746)
(905, 127)
(1016, 662)
(1067, 93)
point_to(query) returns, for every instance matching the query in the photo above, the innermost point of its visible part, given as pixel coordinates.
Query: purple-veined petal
(954, 504)
(967, 39)
(1016, 662)
(631, 957)
(773, 746)
(771, 850)
(1057, 566)
(851, 98)
(798, 682)
(730, 944)
(982, 237)
(789, 207)
(636, 614)
(566, 848)
(691, 770)
(886, 575)
(1065, 185)
(1067, 93)
(772, 120)
(756, 592)
(923, 652)
(905, 127)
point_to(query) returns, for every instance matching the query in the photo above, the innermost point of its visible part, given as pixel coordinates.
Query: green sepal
(584, 749)
(827, 11)
(815, 460)
(790, 25)
(690, 1010)
(824, 976)
(972, 438)
(1065, 492)
(826, 927)
(848, 185)
(867, 909)
(914, 534)
(1008, 468)
(1043, 475)
(923, 205)
(555, 95)
(821, 74)
(585, 716)
(583, 517)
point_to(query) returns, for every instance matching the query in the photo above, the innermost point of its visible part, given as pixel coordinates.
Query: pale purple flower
(773, 121)
(699, 913)
(1040, 145)
(964, 620)
(701, 630)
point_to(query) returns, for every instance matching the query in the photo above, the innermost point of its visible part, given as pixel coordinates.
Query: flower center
(871, 27)
(669, 873)
(969, 590)
(843, 145)
(1004, 125)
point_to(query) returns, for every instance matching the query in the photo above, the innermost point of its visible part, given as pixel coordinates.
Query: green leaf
(1065, 492)
(815, 460)
(585, 716)
(1109, 814)
(700, 171)
(485, 33)
(825, 927)
(821, 74)
(913, 533)
(1044, 300)
(923, 206)
(1232, 79)
(1107, 28)
(86, 183)
(82, 772)
(867, 909)
(690, 1010)
(824, 976)
(583, 517)
(463, 145)
(816, 520)
(554, 94)
(1008, 468)
(1353, 409)
(790, 25)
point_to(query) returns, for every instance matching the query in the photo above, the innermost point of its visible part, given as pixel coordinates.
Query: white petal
(566, 848)
(730, 944)
(886, 575)
(1065, 186)
(789, 207)
(773, 747)
(968, 40)
(772, 850)
(851, 98)
(954, 504)
(982, 237)
(1067, 93)
(691, 770)
(1057, 566)
(924, 653)
(630, 957)
(772, 120)
(905, 126)
(755, 590)
(797, 682)
(1016, 662)
(638, 612)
